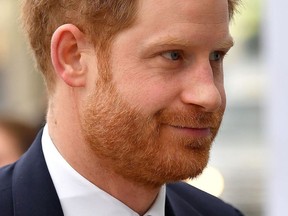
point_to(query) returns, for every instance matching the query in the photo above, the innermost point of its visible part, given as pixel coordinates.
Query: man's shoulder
(12, 179)
(26, 187)
(6, 203)
(188, 192)
(6, 173)
(199, 200)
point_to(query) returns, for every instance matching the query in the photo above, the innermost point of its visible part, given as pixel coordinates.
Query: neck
(70, 143)
(137, 197)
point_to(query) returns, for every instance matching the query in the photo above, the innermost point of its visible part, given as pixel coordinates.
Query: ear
(68, 45)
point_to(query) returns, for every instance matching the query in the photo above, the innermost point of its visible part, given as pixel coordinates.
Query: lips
(191, 131)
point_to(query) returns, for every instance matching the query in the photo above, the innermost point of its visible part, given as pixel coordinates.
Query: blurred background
(240, 168)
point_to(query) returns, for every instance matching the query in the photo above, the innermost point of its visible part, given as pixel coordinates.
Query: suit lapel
(176, 206)
(168, 209)
(33, 190)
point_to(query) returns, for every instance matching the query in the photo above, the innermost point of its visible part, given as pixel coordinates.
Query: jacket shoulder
(6, 200)
(199, 200)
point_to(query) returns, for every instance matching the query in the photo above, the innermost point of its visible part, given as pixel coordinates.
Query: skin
(172, 67)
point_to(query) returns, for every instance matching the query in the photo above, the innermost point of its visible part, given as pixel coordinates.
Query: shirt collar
(78, 196)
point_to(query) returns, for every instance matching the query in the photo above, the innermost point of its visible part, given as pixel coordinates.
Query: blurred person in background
(136, 98)
(15, 139)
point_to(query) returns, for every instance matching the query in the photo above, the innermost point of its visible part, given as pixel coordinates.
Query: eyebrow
(172, 41)
(168, 41)
(226, 44)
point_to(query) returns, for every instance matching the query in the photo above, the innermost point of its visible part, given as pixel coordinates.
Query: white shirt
(79, 197)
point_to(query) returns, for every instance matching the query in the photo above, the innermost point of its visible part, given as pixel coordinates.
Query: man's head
(99, 20)
(143, 90)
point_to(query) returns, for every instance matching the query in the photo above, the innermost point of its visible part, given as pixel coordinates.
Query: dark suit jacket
(26, 189)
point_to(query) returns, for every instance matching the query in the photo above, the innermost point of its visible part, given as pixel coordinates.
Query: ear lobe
(67, 49)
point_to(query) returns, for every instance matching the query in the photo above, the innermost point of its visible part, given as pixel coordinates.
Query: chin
(170, 168)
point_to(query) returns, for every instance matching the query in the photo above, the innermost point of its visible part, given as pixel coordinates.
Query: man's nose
(200, 89)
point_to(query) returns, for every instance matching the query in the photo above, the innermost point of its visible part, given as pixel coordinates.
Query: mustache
(190, 118)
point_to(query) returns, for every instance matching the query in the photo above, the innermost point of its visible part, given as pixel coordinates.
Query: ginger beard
(143, 149)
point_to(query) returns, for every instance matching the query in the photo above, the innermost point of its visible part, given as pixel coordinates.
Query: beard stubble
(141, 148)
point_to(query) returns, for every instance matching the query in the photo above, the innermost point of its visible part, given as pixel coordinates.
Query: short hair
(100, 20)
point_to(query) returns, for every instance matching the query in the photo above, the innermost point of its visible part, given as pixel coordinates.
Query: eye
(172, 55)
(216, 56)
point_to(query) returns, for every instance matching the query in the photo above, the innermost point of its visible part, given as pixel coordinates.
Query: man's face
(155, 121)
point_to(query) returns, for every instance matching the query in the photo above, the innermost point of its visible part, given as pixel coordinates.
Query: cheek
(223, 96)
(220, 85)
(148, 96)
(143, 89)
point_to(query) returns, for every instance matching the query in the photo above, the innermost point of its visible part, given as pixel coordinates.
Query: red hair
(100, 20)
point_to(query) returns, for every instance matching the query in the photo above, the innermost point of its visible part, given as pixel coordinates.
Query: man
(136, 98)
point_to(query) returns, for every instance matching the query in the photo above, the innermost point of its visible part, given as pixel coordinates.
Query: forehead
(198, 22)
(199, 25)
(192, 11)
